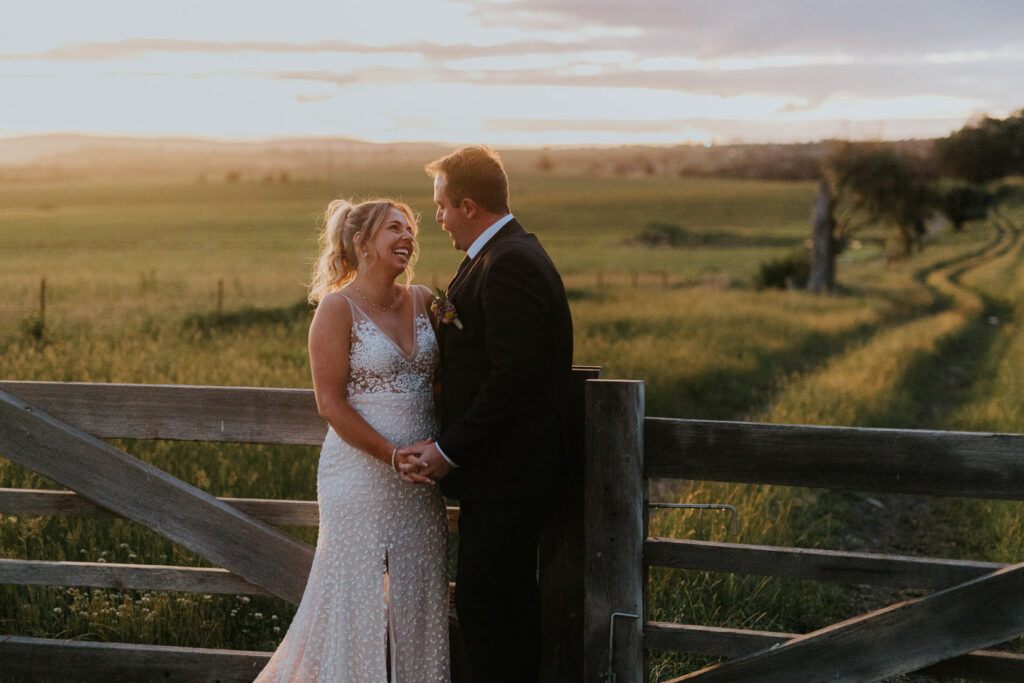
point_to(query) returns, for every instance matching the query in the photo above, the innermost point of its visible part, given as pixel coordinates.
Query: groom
(506, 360)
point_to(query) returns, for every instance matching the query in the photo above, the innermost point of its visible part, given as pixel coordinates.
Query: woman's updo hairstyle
(346, 227)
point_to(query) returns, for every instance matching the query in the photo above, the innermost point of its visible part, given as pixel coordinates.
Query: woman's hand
(408, 464)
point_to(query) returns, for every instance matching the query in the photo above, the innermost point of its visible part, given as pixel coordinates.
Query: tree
(984, 150)
(863, 184)
(964, 203)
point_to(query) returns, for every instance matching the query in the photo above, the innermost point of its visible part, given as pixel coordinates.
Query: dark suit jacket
(505, 374)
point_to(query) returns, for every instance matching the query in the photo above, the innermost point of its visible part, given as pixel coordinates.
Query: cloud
(313, 98)
(804, 85)
(136, 47)
(607, 125)
(746, 27)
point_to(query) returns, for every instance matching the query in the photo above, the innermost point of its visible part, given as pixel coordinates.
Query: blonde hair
(344, 222)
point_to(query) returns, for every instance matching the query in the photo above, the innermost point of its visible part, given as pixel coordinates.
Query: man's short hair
(474, 172)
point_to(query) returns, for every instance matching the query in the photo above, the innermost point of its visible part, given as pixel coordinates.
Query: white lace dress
(371, 522)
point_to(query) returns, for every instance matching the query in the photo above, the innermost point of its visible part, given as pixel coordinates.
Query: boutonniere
(444, 310)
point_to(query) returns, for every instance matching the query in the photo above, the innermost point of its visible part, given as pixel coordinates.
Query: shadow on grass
(722, 393)
(938, 383)
(244, 318)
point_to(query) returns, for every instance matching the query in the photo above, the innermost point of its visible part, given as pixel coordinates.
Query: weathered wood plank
(709, 640)
(124, 576)
(145, 494)
(982, 665)
(614, 508)
(68, 503)
(42, 502)
(179, 412)
(132, 577)
(271, 511)
(895, 640)
(899, 571)
(41, 659)
(561, 547)
(891, 460)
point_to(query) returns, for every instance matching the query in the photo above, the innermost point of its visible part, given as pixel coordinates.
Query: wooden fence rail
(68, 503)
(899, 571)
(962, 464)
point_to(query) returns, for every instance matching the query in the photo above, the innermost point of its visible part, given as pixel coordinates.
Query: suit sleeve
(516, 307)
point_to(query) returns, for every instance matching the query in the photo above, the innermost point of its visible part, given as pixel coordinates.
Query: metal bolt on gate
(609, 675)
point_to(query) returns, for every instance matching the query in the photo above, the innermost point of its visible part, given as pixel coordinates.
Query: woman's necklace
(385, 308)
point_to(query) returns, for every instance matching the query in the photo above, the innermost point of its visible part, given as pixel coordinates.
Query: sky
(510, 72)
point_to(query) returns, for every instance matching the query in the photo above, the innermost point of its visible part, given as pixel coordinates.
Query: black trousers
(496, 594)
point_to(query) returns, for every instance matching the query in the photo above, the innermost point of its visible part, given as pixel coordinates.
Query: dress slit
(390, 650)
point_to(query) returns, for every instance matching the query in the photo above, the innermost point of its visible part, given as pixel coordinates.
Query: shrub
(662, 235)
(788, 272)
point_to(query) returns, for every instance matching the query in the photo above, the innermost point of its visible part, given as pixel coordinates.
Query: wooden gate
(55, 429)
(976, 605)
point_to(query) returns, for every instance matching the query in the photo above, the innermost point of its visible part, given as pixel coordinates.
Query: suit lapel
(463, 266)
(466, 270)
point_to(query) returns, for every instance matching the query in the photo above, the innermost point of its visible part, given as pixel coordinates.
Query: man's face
(452, 218)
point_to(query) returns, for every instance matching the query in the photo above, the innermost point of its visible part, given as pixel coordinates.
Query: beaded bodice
(378, 365)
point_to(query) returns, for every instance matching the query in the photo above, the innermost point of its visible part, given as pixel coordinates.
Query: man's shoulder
(519, 244)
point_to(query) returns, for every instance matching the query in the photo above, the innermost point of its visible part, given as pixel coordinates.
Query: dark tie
(462, 266)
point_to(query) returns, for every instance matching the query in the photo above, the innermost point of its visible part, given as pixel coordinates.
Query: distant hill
(80, 156)
(65, 147)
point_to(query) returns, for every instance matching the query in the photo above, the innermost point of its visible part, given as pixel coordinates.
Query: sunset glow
(530, 72)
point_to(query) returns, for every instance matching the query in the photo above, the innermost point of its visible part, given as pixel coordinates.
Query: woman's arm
(329, 342)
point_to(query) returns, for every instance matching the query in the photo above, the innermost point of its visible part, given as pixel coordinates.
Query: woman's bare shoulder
(333, 310)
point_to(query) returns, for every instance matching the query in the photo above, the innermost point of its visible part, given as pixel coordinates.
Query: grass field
(132, 271)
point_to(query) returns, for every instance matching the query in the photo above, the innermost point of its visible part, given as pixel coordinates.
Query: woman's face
(392, 245)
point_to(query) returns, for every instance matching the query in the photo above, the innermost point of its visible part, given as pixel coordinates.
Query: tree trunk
(823, 243)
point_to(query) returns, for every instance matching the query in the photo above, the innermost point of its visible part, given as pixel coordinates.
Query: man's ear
(469, 207)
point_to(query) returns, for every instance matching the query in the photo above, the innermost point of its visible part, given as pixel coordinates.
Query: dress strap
(358, 314)
(418, 309)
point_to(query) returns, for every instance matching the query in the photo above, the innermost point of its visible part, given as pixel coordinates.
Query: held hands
(421, 463)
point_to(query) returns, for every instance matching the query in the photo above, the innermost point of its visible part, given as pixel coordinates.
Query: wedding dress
(378, 581)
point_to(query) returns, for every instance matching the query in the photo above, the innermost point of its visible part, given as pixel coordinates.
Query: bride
(375, 607)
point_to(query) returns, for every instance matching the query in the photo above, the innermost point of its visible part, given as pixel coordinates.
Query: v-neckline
(398, 347)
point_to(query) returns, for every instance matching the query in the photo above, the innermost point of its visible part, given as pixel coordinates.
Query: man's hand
(422, 463)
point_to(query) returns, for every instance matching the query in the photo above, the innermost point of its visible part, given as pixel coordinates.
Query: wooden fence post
(42, 303)
(561, 557)
(220, 297)
(615, 508)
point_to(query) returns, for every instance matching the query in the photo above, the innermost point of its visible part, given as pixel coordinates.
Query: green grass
(132, 271)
